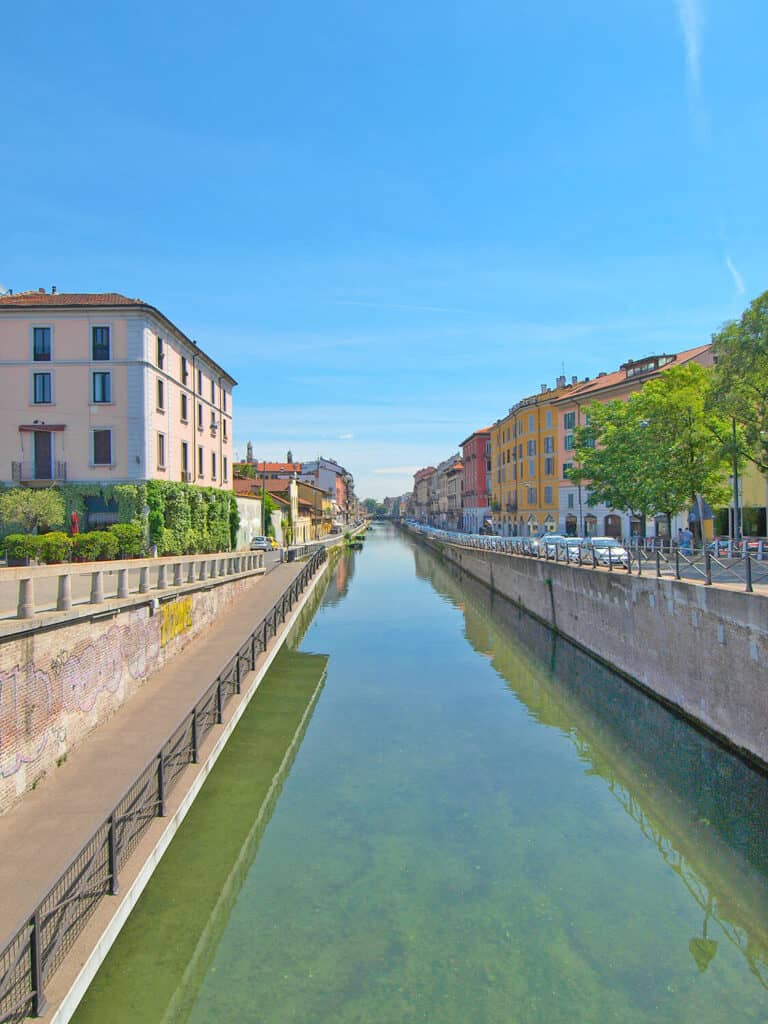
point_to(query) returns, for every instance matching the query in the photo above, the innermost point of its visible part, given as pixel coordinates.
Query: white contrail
(689, 13)
(738, 280)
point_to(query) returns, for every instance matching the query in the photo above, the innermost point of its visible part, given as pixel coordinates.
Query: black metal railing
(37, 947)
(748, 568)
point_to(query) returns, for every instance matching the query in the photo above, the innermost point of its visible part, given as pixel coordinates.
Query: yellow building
(524, 492)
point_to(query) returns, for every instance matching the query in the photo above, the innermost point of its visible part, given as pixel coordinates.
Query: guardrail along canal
(435, 810)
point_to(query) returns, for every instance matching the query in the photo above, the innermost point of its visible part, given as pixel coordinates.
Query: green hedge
(185, 520)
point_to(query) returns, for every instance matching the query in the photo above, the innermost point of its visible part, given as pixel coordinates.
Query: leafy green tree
(740, 385)
(269, 505)
(370, 505)
(35, 510)
(659, 451)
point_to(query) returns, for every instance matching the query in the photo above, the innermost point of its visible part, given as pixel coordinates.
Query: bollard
(122, 583)
(177, 579)
(97, 588)
(26, 608)
(162, 580)
(143, 579)
(64, 599)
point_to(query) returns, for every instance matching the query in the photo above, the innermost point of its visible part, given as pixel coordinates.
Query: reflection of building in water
(342, 577)
(704, 810)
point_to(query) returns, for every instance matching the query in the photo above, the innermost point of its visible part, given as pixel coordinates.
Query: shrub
(109, 546)
(53, 547)
(20, 545)
(130, 539)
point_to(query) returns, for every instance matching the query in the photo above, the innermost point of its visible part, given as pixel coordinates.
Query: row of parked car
(605, 550)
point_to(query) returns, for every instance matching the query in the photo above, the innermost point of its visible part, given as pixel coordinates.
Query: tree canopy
(33, 509)
(740, 384)
(659, 450)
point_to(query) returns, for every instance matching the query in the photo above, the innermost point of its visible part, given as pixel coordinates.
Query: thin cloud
(689, 13)
(738, 280)
(395, 470)
(346, 437)
(417, 309)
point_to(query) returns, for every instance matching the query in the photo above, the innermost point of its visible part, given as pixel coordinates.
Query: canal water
(434, 810)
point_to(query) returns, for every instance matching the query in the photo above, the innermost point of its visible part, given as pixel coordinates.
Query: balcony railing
(31, 472)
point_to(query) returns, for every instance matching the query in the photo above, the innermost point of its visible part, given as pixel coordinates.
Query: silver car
(608, 551)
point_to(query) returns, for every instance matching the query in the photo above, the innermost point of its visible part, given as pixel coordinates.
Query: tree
(740, 385)
(35, 510)
(658, 452)
(269, 506)
(370, 505)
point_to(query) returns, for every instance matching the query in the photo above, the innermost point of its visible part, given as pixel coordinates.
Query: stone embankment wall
(60, 682)
(703, 650)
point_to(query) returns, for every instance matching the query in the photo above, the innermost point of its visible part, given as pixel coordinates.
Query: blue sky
(391, 221)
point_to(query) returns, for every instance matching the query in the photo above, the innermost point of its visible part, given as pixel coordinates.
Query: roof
(271, 467)
(587, 389)
(475, 433)
(101, 300)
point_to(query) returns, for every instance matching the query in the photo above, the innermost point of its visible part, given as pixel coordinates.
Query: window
(530, 423)
(547, 495)
(99, 344)
(226, 467)
(569, 420)
(570, 500)
(569, 442)
(549, 445)
(102, 447)
(531, 448)
(548, 418)
(161, 451)
(223, 400)
(184, 370)
(199, 416)
(213, 465)
(567, 466)
(160, 396)
(184, 457)
(101, 387)
(532, 495)
(160, 352)
(41, 344)
(224, 429)
(184, 409)
(531, 467)
(199, 382)
(549, 466)
(213, 391)
(41, 388)
(200, 463)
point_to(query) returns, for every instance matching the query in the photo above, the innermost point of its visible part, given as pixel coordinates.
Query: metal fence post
(237, 673)
(677, 563)
(219, 706)
(194, 736)
(114, 888)
(39, 1002)
(748, 568)
(707, 568)
(160, 786)
(658, 564)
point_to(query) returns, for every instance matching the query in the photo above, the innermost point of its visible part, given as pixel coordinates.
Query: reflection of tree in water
(342, 577)
(697, 803)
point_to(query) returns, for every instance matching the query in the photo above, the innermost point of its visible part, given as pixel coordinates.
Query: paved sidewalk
(48, 827)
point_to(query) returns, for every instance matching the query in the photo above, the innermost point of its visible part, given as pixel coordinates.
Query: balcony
(186, 476)
(37, 473)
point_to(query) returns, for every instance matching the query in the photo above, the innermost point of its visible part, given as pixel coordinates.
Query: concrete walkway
(48, 827)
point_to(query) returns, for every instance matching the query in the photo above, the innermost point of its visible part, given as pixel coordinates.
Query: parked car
(260, 544)
(608, 551)
(550, 541)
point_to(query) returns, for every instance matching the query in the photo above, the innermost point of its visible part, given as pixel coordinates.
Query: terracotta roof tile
(69, 299)
(609, 380)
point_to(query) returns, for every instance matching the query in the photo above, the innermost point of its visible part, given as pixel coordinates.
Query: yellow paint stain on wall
(176, 618)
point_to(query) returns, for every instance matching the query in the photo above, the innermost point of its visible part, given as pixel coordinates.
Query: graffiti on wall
(175, 619)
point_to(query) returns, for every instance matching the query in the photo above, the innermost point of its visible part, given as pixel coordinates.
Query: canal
(434, 810)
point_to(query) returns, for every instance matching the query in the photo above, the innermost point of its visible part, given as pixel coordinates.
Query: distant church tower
(249, 452)
(290, 456)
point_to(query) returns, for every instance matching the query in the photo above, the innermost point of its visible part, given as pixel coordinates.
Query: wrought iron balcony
(31, 472)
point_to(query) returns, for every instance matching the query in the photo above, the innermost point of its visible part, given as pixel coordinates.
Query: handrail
(702, 566)
(39, 944)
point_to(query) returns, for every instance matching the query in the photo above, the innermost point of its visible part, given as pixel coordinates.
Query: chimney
(561, 381)
(53, 289)
(602, 374)
(574, 380)
(544, 389)
(41, 291)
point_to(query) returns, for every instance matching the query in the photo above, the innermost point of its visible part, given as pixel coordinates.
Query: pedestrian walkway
(48, 827)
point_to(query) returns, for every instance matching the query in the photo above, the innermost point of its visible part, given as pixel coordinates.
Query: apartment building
(106, 389)
(575, 515)
(524, 473)
(423, 493)
(337, 482)
(476, 495)
(448, 489)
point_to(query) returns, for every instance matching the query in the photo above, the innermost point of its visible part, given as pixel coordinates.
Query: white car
(260, 544)
(608, 551)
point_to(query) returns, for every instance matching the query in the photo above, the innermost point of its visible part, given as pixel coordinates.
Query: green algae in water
(481, 824)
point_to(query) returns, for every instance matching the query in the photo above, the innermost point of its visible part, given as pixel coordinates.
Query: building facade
(100, 388)
(576, 517)
(423, 487)
(338, 484)
(476, 495)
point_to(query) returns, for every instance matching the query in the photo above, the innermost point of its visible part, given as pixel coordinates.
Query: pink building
(476, 498)
(100, 388)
